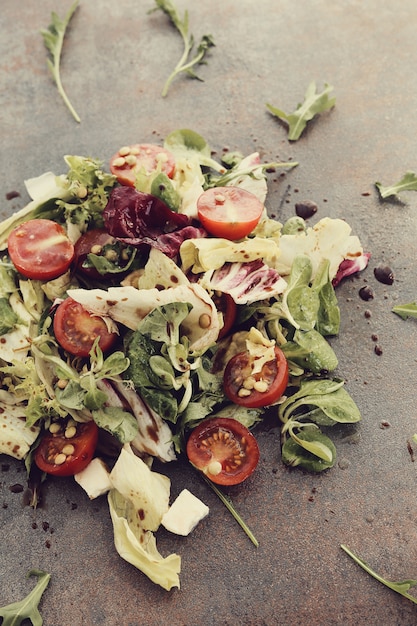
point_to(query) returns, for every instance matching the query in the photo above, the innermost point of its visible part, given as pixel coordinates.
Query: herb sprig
(53, 38)
(185, 63)
(400, 587)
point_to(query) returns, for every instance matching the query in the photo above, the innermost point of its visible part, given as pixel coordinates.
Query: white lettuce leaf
(15, 437)
(201, 255)
(128, 305)
(148, 491)
(138, 500)
(138, 546)
(329, 239)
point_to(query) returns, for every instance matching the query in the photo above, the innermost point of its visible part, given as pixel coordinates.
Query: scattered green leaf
(15, 613)
(187, 61)
(406, 310)
(407, 183)
(400, 587)
(53, 38)
(310, 449)
(313, 104)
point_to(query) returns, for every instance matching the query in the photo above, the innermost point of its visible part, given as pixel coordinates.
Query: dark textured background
(116, 58)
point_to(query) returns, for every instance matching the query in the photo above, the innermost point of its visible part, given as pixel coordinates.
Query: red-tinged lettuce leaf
(351, 266)
(246, 282)
(143, 221)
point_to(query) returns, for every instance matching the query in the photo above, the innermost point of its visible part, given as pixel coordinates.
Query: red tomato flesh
(229, 212)
(67, 451)
(76, 329)
(95, 241)
(228, 308)
(40, 249)
(129, 160)
(223, 449)
(255, 390)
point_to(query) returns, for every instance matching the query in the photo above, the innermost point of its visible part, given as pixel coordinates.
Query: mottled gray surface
(116, 58)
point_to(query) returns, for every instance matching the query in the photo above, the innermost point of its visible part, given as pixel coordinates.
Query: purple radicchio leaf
(247, 282)
(351, 266)
(143, 221)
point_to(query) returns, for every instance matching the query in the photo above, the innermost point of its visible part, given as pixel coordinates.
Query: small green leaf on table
(313, 104)
(406, 310)
(53, 38)
(407, 183)
(14, 614)
(400, 587)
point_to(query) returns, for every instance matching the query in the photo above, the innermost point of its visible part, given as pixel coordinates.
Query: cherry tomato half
(67, 451)
(40, 249)
(76, 329)
(229, 212)
(129, 160)
(261, 389)
(223, 449)
(99, 242)
(228, 308)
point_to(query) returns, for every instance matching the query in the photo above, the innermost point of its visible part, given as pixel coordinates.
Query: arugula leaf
(53, 38)
(15, 613)
(407, 183)
(406, 310)
(313, 104)
(400, 587)
(185, 64)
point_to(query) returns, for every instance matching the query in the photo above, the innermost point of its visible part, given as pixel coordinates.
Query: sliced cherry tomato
(40, 249)
(224, 449)
(129, 160)
(76, 329)
(228, 308)
(229, 212)
(255, 390)
(99, 242)
(67, 450)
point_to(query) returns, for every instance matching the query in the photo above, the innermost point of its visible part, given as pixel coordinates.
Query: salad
(152, 310)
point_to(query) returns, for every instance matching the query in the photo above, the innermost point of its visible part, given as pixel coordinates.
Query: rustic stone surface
(116, 58)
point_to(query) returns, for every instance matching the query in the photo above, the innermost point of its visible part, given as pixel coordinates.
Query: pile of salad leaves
(168, 371)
